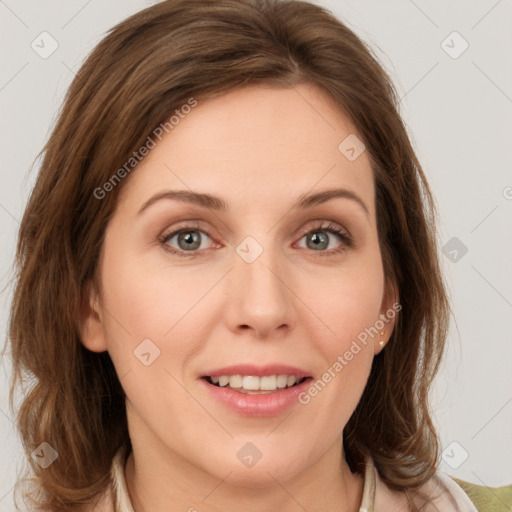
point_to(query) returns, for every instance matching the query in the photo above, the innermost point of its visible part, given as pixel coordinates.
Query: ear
(92, 332)
(390, 307)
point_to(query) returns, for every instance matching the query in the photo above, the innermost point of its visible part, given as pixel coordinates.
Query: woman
(229, 294)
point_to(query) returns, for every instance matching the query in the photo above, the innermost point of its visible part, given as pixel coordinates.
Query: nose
(259, 297)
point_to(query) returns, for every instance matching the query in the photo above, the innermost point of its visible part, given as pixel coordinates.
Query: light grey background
(458, 111)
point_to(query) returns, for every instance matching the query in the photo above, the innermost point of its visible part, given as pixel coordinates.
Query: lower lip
(262, 405)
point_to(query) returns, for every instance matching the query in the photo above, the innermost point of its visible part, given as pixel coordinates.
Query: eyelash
(346, 239)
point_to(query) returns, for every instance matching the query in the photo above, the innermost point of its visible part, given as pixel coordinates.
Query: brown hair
(145, 68)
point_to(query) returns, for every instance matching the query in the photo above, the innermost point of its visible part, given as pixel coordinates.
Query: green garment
(488, 499)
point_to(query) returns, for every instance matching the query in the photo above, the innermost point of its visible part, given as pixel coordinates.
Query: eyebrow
(216, 203)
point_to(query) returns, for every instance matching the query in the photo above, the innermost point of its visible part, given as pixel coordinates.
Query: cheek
(346, 301)
(344, 309)
(152, 299)
(148, 295)
(154, 327)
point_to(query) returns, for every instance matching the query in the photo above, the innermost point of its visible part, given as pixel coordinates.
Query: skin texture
(258, 148)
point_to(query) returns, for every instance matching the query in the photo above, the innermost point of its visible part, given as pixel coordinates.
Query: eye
(319, 240)
(188, 239)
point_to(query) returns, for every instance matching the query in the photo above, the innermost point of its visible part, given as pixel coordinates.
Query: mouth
(256, 391)
(254, 384)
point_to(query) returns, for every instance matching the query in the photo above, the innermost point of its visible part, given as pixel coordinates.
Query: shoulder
(444, 494)
(440, 494)
(488, 499)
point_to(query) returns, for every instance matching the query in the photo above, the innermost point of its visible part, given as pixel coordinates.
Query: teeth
(254, 383)
(235, 381)
(223, 380)
(268, 383)
(251, 383)
(281, 381)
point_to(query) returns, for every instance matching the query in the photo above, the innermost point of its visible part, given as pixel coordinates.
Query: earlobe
(92, 332)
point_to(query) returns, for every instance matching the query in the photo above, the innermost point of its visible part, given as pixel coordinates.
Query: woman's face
(262, 287)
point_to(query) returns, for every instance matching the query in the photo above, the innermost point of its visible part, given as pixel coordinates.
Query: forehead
(257, 143)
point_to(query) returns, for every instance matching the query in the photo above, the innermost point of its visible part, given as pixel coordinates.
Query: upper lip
(258, 371)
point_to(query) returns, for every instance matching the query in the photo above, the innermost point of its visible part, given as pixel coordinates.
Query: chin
(251, 469)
